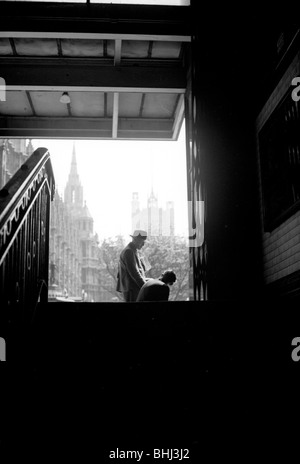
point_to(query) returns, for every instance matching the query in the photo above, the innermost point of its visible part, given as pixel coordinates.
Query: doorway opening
(104, 191)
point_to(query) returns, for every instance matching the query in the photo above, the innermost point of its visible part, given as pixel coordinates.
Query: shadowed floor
(97, 377)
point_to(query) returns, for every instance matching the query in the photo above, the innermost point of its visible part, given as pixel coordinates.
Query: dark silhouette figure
(131, 274)
(157, 289)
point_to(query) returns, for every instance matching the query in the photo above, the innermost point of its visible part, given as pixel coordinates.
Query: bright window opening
(104, 191)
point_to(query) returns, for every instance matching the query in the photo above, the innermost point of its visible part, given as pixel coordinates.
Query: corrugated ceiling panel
(48, 104)
(36, 47)
(16, 104)
(87, 104)
(159, 105)
(130, 104)
(80, 47)
(110, 97)
(110, 48)
(166, 49)
(135, 49)
(5, 48)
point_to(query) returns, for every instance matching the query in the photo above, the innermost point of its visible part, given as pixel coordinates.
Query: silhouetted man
(131, 275)
(157, 289)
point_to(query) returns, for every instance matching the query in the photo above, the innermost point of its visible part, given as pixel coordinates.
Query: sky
(111, 170)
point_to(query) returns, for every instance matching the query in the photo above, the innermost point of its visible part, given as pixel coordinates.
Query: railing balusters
(24, 223)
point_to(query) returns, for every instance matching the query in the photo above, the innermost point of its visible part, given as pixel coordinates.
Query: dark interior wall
(232, 229)
(235, 66)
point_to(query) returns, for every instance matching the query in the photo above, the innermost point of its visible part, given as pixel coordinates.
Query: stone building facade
(74, 251)
(13, 153)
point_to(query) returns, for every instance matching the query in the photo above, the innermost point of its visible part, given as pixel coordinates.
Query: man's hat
(140, 232)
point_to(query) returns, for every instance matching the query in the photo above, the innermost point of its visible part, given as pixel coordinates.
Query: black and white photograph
(149, 230)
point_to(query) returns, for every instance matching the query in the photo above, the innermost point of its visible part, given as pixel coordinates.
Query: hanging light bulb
(65, 98)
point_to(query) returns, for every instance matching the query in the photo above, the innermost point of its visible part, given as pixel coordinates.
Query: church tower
(73, 190)
(74, 251)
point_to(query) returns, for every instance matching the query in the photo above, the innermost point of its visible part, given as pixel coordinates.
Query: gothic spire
(73, 171)
(73, 189)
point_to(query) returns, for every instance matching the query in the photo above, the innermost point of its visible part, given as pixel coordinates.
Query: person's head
(168, 277)
(139, 237)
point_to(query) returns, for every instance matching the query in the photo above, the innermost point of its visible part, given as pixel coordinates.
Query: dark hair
(168, 277)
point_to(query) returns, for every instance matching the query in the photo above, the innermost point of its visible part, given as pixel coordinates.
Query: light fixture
(65, 98)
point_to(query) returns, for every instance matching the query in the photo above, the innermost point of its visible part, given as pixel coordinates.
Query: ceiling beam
(57, 123)
(142, 124)
(93, 36)
(59, 47)
(87, 61)
(178, 117)
(30, 103)
(58, 74)
(66, 88)
(80, 134)
(98, 128)
(115, 117)
(13, 46)
(145, 135)
(161, 21)
(118, 52)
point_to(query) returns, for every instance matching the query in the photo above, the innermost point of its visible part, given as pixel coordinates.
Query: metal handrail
(24, 236)
(15, 188)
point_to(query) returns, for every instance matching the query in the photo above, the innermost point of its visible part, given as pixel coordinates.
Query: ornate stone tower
(73, 190)
(74, 252)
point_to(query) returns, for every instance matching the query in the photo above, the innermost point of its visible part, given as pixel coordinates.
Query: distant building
(74, 251)
(13, 153)
(155, 220)
(64, 252)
